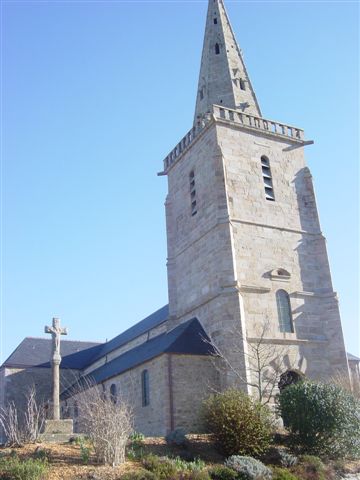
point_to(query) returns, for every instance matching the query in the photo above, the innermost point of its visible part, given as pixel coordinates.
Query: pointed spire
(223, 78)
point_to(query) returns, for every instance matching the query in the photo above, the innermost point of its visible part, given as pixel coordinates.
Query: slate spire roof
(223, 78)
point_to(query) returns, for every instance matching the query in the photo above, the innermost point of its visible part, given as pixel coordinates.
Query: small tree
(108, 423)
(266, 361)
(322, 419)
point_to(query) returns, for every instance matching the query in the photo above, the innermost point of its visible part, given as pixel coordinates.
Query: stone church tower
(245, 247)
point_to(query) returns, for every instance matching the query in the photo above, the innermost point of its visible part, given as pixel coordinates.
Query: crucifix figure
(56, 331)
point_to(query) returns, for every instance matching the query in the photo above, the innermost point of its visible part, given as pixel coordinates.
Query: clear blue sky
(94, 96)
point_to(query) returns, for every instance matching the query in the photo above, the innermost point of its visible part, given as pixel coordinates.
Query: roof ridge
(48, 339)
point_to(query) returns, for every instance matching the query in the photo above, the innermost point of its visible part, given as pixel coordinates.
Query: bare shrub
(23, 428)
(10, 423)
(20, 429)
(107, 421)
(34, 416)
(342, 380)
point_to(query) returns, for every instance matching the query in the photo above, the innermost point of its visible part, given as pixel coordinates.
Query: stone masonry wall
(284, 233)
(194, 379)
(153, 419)
(221, 261)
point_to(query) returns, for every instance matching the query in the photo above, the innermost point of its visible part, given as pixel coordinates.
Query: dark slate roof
(188, 338)
(352, 357)
(152, 321)
(36, 352)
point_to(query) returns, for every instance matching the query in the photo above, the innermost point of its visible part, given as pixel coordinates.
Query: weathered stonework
(232, 246)
(221, 260)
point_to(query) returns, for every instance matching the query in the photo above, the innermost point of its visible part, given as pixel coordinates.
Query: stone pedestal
(57, 431)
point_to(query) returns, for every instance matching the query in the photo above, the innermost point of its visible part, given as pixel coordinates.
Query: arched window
(145, 388)
(267, 178)
(242, 84)
(217, 49)
(113, 393)
(284, 311)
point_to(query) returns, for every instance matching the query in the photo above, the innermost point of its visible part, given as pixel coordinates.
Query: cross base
(57, 431)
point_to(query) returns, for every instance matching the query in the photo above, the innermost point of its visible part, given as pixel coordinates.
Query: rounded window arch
(113, 392)
(289, 378)
(284, 311)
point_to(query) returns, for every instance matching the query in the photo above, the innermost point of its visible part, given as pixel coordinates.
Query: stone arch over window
(113, 392)
(289, 378)
(280, 274)
(284, 311)
(145, 388)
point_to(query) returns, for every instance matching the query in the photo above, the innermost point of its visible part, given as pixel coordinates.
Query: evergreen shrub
(311, 467)
(141, 474)
(163, 468)
(322, 419)
(283, 474)
(222, 473)
(16, 469)
(248, 468)
(239, 425)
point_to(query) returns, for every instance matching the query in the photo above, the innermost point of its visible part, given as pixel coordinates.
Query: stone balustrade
(238, 117)
(258, 123)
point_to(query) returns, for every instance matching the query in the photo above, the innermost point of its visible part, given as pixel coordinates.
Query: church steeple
(223, 78)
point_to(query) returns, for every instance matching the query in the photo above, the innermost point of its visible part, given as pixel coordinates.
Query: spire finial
(223, 78)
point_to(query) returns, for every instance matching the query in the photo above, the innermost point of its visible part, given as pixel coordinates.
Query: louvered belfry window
(267, 178)
(193, 198)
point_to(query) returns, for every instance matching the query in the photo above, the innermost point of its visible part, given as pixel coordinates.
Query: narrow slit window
(284, 311)
(267, 178)
(215, 21)
(217, 49)
(113, 393)
(145, 388)
(193, 197)
(242, 84)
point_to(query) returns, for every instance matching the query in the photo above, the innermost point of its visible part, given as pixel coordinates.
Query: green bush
(141, 474)
(222, 473)
(16, 469)
(321, 419)
(184, 466)
(135, 449)
(282, 457)
(239, 425)
(193, 475)
(283, 474)
(311, 468)
(163, 468)
(248, 468)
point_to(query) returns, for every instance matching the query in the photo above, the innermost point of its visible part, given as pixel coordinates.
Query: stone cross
(56, 331)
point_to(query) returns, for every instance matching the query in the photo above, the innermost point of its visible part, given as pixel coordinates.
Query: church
(247, 263)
